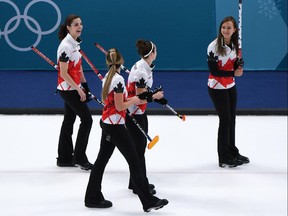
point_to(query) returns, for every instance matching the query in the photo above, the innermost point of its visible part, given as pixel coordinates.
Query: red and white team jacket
(110, 115)
(141, 76)
(68, 51)
(223, 64)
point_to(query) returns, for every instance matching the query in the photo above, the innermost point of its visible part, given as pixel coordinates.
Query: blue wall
(264, 31)
(182, 29)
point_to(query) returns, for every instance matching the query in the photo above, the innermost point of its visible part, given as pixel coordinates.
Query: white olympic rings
(27, 19)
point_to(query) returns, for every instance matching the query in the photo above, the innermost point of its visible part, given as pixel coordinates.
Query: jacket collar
(146, 65)
(74, 42)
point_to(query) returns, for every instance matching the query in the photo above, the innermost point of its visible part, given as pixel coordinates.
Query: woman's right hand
(158, 95)
(82, 95)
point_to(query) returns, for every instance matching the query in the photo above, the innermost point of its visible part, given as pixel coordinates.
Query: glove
(147, 95)
(85, 86)
(238, 63)
(162, 101)
(87, 91)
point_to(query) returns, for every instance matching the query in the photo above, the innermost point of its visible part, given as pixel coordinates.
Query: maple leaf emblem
(119, 88)
(212, 57)
(63, 57)
(141, 83)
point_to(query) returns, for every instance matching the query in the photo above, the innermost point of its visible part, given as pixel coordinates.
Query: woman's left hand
(238, 72)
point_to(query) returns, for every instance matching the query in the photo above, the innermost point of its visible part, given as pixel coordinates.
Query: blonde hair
(113, 61)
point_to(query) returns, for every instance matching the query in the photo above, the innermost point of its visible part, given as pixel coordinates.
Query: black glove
(85, 86)
(238, 63)
(162, 101)
(147, 95)
(87, 91)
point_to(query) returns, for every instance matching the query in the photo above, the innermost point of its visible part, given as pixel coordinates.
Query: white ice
(182, 165)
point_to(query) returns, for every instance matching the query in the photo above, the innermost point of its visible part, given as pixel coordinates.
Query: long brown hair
(234, 38)
(63, 31)
(113, 61)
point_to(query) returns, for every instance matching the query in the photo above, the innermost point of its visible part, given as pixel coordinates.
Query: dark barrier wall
(257, 90)
(182, 29)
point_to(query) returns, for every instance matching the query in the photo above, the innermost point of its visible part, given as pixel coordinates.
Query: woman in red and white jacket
(140, 81)
(223, 67)
(73, 88)
(115, 134)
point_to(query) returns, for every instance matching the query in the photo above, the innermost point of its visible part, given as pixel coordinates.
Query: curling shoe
(85, 166)
(231, 163)
(151, 186)
(101, 204)
(243, 159)
(159, 204)
(64, 163)
(152, 191)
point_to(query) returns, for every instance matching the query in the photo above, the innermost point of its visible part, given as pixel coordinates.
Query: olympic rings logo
(37, 30)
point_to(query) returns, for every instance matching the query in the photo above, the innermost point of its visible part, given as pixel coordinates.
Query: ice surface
(182, 165)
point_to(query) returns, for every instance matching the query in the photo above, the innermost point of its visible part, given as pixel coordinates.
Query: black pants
(74, 107)
(139, 139)
(117, 135)
(225, 101)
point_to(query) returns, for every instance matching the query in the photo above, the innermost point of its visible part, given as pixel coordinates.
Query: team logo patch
(63, 57)
(141, 83)
(119, 88)
(212, 57)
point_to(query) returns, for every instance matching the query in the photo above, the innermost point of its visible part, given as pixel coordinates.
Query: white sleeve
(64, 53)
(141, 79)
(118, 84)
(211, 48)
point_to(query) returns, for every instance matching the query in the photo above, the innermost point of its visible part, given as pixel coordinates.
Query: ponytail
(113, 60)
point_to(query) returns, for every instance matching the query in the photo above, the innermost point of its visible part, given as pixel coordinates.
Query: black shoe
(65, 164)
(102, 204)
(152, 191)
(85, 166)
(159, 204)
(151, 186)
(243, 159)
(231, 163)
